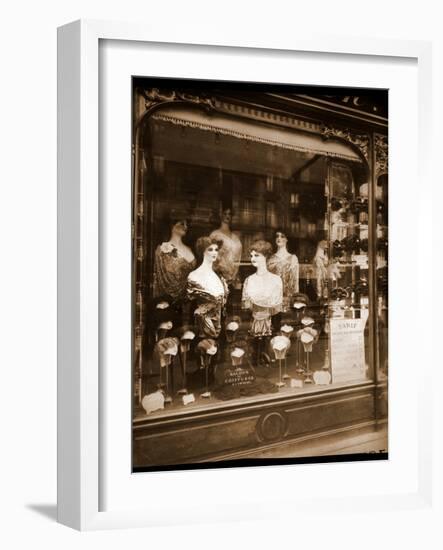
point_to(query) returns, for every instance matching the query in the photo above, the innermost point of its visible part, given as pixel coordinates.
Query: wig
(262, 247)
(201, 245)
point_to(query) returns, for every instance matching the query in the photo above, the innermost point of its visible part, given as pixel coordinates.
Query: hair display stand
(280, 346)
(286, 330)
(308, 374)
(206, 359)
(168, 366)
(184, 348)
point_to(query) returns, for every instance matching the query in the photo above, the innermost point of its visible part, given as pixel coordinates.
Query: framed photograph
(260, 262)
(228, 218)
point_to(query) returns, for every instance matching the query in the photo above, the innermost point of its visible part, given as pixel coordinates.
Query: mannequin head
(179, 227)
(226, 216)
(280, 239)
(206, 250)
(260, 252)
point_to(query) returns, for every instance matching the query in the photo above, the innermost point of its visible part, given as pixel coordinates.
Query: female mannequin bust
(262, 291)
(320, 263)
(173, 262)
(230, 248)
(286, 265)
(207, 289)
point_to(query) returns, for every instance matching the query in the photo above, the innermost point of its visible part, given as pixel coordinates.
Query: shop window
(255, 271)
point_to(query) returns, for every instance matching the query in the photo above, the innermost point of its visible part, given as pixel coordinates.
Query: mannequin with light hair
(262, 291)
(207, 289)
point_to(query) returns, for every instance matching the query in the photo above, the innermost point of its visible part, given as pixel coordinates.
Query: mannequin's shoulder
(275, 278)
(195, 275)
(216, 234)
(186, 252)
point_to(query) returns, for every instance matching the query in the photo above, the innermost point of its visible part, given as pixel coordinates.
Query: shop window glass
(255, 274)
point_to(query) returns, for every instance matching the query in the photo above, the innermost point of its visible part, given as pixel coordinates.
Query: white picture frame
(80, 414)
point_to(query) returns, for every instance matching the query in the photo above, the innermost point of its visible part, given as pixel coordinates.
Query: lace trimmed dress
(171, 271)
(210, 299)
(287, 267)
(263, 294)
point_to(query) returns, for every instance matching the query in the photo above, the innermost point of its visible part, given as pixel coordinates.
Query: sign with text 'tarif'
(347, 350)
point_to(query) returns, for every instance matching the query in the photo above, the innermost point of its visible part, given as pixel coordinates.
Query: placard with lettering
(347, 349)
(237, 376)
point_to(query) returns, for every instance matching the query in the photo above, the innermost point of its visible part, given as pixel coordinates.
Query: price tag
(189, 398)
(296, 383)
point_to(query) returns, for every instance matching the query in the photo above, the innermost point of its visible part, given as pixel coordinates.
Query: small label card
(189, 398)
(295, 383)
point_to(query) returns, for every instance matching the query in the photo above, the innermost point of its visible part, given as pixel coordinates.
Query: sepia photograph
(259, 274)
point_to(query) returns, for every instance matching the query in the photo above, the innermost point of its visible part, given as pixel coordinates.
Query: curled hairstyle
(262, 247)
(289, 240)
(282, 232)
(174, 218)
(202, 244)
(168, 221)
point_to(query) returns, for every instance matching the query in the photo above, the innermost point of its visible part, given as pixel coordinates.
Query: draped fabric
(253, 131)
(208, 313)
(287, 267)
(171, 271)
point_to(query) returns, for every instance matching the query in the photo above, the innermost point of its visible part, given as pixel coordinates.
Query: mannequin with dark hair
(230, 251)
(286, 265)
(173, 262)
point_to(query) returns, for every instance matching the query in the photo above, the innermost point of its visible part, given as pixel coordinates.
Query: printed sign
(361, 260)
(189, 398)
(347, 349)
(238, 376)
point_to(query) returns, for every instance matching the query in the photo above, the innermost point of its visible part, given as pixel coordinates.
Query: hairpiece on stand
(206, 348)
(186, 335)
(382, 244)
(364, 245)
(299, 300)
(339, 293)
(307, 321)
(286, 330)
(336, 204)
(337, 249)
(280, 345)
(237, 355)
(359, 205)
(351, 244)
(362, 286)
(166, 349)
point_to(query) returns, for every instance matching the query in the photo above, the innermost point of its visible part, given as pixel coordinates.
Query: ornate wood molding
(361, 141)
(155, 96)
(381, 154)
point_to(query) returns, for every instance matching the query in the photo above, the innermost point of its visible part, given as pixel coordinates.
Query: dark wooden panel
(208, 434)
(178, 446)
(382, 401)
(318, 416)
